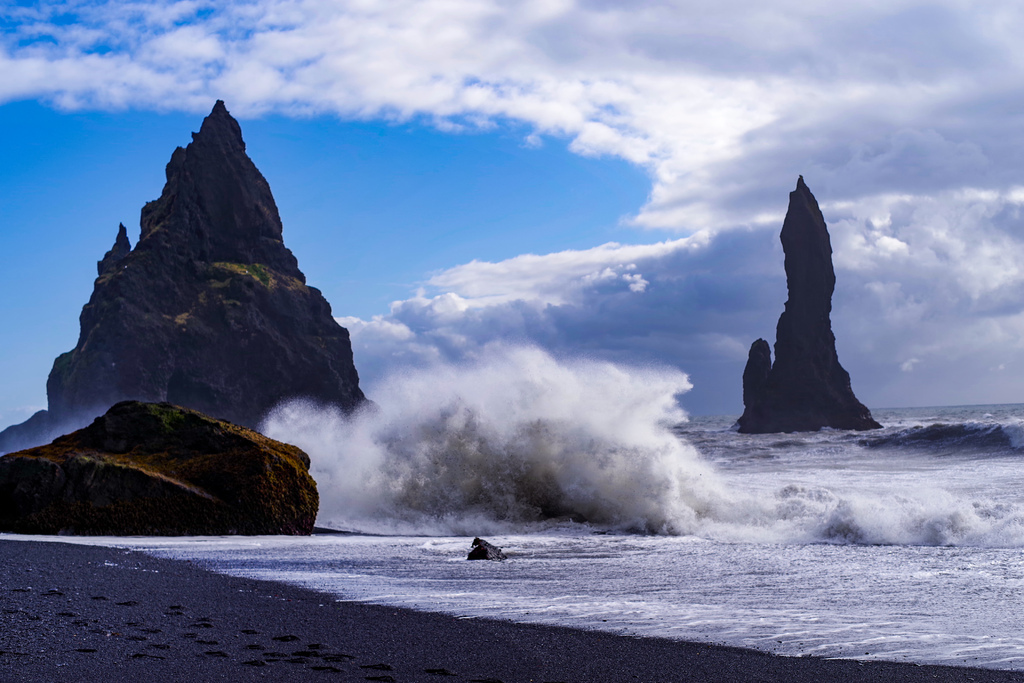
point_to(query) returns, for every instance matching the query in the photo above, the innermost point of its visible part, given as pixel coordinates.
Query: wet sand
(84, 613)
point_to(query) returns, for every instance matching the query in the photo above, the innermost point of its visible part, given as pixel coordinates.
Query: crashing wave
(971, 437)
(514, 438)
(521, 442)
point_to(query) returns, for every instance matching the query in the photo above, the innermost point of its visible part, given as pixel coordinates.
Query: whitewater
(618, 512)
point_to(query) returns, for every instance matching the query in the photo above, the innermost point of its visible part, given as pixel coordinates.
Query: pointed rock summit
(806, 388)
(117, 252)
(209, 310)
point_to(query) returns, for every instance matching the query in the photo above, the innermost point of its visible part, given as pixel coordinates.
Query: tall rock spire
(216, 205)
(209, 310)
(806, 388)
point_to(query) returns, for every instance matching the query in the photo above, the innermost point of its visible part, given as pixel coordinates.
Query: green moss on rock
(158, 469)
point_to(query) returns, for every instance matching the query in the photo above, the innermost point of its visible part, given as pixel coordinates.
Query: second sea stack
(806, 388)
(209, 310)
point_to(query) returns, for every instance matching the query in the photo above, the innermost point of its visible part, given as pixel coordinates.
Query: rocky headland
(209, 310)
(806, 388)
(158, 469)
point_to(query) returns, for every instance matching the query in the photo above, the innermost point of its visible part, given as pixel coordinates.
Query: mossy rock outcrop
(158, 469)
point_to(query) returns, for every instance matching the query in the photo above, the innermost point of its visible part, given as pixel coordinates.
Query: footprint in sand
(337, 657)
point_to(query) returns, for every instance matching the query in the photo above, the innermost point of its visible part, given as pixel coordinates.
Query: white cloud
(671, 303)
(908, 365)
(723, 103)
(560, 277)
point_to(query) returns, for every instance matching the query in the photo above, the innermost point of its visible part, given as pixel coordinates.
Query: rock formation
(157, 469)
(208, 311)
(482, 550)
(806, 388)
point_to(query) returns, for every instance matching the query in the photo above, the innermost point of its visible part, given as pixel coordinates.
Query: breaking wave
(515, 438)
(518, 441)
(974, 437)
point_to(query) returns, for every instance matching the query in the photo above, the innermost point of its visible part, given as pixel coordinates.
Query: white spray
(514, 438)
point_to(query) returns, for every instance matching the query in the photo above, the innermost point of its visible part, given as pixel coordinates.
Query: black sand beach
(82, 613)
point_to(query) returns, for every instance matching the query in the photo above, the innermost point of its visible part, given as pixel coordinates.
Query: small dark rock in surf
(482, 550)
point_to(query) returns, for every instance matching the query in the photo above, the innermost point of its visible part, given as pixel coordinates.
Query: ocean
(619, 513)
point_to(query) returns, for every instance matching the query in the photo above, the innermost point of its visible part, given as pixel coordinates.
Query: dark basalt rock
(482, 550)
(806, 388)
(208, 311)
(158, 469)
(121, 248)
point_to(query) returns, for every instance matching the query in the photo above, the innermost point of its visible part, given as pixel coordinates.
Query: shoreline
(86, 612)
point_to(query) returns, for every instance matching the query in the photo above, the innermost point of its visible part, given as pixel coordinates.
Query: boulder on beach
(482, 550)
(806, 388)
(158, 469)
(209, 310)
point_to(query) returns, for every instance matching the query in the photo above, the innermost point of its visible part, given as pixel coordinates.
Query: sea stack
(806, 388)
(208, 311)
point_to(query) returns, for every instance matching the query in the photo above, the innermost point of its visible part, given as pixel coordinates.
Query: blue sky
(595, 178)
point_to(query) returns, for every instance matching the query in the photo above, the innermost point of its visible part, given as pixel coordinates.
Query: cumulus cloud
(686, 303)
(723, 103)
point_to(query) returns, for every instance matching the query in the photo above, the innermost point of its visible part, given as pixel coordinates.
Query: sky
(597, 178)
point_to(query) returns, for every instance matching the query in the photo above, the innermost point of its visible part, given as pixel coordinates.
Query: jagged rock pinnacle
(117, 252)
(212, 182)
(806, 388)
(209, 310)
